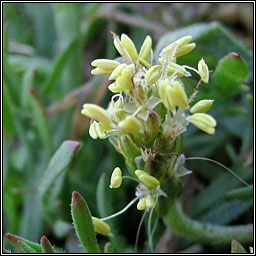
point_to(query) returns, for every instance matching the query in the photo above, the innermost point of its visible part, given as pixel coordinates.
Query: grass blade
(82, 220)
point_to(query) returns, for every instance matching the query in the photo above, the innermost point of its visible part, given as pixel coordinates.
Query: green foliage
(54, 174)
(47, 50)
(82, 220)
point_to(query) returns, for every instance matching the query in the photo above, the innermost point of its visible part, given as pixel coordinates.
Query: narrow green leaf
(13, 239)
(9, 76)
(56, 166)
(54, 177)
(46, 245)
(236, 247)
(225, 212)
(108, 248)
(25, 247)
(82, 220)
(58, 68)
(230, 74)
(217, 189)
(27, 83)
(244, 193)
(40, 121)
(8, 123)
(68, 25)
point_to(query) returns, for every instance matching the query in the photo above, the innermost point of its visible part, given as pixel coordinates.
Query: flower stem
(121, 211)
(205, 232)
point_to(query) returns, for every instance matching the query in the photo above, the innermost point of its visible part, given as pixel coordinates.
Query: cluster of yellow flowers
(150, 101)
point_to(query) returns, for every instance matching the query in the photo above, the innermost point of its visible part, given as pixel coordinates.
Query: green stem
(205, 232)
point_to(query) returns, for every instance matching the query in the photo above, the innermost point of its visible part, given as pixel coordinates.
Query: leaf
(27, 83)
(236, 247)
(56, 167)
(230, 74)
(226, 212)
(41, 122)
(82, 220)
(217, 189)
(58, 68)
(13, 239)
(244, 193)
(46, 245)
(25, 247)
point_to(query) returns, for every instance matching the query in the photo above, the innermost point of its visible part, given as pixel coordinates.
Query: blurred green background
(48, 49)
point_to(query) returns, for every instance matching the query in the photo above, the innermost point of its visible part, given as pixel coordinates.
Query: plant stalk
(205, 232)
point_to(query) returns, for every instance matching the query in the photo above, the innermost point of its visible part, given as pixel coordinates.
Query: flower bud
(100, 226)
(141, 204)
(150, 201)
(96, 132)
(131, 124)
(116, 178)
(201, 106)
(147, 179)
(145, 50)
(203, 71)
(128, 44)
(153, 74)
(96, 112)
(204, 122)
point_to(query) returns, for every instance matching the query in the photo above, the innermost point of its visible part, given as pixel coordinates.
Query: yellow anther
(117, 71)
(203, 71)
(100, 71)
(96, 112)
(128, 44)
(145, 50)
(105, 64)
(131, 124)
(150, 201)
(204, 122)
(181, 98)
(96, 132)
(147, 179)
(185, 49)
(100, 226)
(141, 204)
(201, 106)
(153, 74)
(115, 88)
(116, 178)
